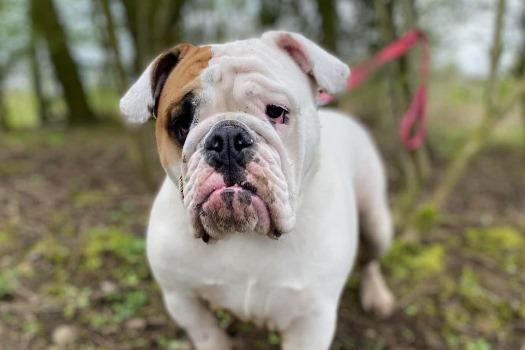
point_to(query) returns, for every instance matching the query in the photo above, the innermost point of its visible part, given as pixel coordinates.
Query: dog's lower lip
(249, 187)
(245, 185)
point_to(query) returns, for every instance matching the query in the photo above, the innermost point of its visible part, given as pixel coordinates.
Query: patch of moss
(504, 244)
(172, 344)
(72, 298)
(88, 198)
(452, 340)
(521, 310)
(426, 218)
(7, 285)
(477, 344)
(31, 328)
(112, 241)
(34, 138)
(129, 306)
(224, 317)
(494, 239)
(274, 338)
(456, 317)
(3, 237)
(122, 307)
(415, 261)
(51, 250)
(469, 286)
(13, 167)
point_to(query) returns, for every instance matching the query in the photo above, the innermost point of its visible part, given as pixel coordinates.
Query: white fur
(136, 103)
(334, 176)
(329, 72)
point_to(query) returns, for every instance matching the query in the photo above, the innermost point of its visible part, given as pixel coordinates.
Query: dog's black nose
(228, 149)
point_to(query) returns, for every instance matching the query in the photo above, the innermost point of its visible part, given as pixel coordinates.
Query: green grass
(21, 107)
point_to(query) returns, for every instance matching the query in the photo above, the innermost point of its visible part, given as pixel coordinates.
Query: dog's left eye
(180, 120)
(277, 114)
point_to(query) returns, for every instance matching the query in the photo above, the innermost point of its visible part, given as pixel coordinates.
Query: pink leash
(412, 127)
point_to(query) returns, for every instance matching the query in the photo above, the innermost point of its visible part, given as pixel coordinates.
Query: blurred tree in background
(47, 24)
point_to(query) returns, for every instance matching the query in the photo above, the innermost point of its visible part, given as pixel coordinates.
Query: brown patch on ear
(177, 72)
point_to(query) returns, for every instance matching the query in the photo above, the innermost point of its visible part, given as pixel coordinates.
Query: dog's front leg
(198, 322)
(314, 332)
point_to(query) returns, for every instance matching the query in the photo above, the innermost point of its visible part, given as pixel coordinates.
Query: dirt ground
(72, 270)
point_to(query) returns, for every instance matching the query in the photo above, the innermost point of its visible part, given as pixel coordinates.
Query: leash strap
(413, 125)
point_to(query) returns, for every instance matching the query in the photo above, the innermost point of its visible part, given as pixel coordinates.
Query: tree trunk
(329, 23)
(520, 66)
(130, 11)
(43, 111)
(269, 13)
(3, 110)
(113, 45)
(170, 24)
(46, 18)
(143, 22)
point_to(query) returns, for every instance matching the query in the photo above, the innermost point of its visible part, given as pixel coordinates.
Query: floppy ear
(140, 101)
(327, 70)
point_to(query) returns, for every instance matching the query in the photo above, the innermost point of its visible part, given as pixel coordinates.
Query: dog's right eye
(179, 123)
(277, 114)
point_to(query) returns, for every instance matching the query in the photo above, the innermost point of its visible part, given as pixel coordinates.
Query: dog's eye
(277, 114)
(180, 120)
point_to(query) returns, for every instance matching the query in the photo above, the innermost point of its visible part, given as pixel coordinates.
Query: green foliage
(495, 239)
(130, 249)
(52, 250)
(503, 244)
(225, 318)
(13, 166)
(128, 306)
(33, 139)
(426, 218)
(172, 344)
(3, 236)
(104, 101)
(85, 199)
(31, 327)
(21, 110)
(415, 261)
(469, 285)
(72, 298)
(21, 107)
(478, 344)
(7, 285)
(274, 338)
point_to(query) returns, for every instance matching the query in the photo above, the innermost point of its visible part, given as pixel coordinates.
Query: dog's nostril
(241, 141)
(215, 143)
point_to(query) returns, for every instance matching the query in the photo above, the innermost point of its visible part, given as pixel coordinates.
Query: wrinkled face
(237, 131)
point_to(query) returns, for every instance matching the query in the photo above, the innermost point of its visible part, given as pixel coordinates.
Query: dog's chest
(260, 301)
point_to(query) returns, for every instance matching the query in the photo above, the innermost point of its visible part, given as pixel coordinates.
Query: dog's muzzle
(233, 178)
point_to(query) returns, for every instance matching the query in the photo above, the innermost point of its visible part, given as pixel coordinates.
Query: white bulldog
(278, 186)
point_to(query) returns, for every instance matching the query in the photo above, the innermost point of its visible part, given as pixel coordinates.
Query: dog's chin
(231, 210)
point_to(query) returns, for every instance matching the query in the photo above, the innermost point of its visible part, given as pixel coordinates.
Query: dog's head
(237, 128)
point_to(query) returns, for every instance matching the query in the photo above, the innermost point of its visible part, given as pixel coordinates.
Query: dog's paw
(219, 342)
(376, 297)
